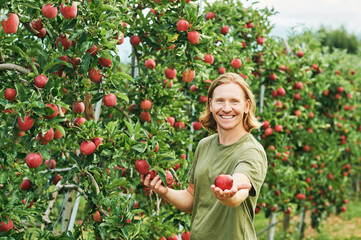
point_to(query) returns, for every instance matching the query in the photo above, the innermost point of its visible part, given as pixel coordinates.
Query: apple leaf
(60, 129)
(162, 174)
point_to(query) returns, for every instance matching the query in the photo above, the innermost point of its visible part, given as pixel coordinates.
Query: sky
(299, 14)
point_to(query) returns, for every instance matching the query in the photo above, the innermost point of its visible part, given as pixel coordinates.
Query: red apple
(37, 24)
(210, 15)
(202, 99)
(93, 50)
(6, 227)
(56, 178)
(186, 235)
(34, 160)
(26, 124)
(142, 166)
(179, 125)
(221, 70)
(110, 100)
(104, 62)
(11, 24)
(52, 163)
(64, 41)
(193, 37)
(173, 237)
(278, 128)
(272, 77)
(193, 88)
(10, 94)
(79, 121)
(281, 91)
(97, 141)
(30, 204)
(97, 217)
(95, 75)
(224, 181)
(224, 30)
(26, 184)
(134, 40)
(299, 54)
(197, 125)
(170, 73)
(236, 63)
(189, 75)
(166, 83)
(146, 105)
(40, 81)
(57, 134)
(266, 124)
(260, 40)
(208, 58)
(49, 11)
(182, 25)
(67, 11)
(42, 33)
(120, 39)
(171, 120)
(48, 136)
(145, 117)
(268, 131)
(78, 107)
(150, 63)
(87, 148)
(55, 110)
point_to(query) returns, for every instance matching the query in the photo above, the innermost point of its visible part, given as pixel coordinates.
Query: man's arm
(181, 199)
(235, 196)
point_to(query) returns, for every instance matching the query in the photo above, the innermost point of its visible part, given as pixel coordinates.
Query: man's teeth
(228, 117)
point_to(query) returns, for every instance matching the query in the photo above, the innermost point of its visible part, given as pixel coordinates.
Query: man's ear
(247, 106)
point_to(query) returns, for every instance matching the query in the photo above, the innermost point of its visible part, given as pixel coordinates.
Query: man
(228, 214)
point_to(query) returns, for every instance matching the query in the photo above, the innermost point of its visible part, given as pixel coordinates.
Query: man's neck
(228, 137)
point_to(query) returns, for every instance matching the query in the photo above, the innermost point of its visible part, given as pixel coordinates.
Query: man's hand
(227, 194)
(155, 184)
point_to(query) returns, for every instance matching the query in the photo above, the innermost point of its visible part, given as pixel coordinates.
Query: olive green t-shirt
(212, 220)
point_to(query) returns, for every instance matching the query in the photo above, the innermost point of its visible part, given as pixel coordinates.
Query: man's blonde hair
(249, 120)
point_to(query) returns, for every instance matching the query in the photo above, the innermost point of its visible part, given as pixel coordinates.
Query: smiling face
(228, 106)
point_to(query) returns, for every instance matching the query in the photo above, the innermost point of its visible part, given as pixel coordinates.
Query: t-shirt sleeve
(253, 163)
(191, 170)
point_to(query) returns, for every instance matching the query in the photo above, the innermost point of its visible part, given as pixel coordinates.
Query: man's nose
(226, 107)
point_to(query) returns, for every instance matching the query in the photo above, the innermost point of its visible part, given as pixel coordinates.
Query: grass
(345, 226)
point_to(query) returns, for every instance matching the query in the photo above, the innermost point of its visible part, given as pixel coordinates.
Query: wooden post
(286, 221)
(271, 222)
(301, 224)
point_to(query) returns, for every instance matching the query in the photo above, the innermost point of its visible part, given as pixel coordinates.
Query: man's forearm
(181, 199)
(237, 199)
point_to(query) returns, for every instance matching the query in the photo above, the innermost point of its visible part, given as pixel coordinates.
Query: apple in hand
(224, 181)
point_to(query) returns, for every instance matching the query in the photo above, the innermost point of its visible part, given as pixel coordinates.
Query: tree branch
(123, 112)
(101, 210)
(2, 60)
(58, 188)
(28, 26)
(14, 67)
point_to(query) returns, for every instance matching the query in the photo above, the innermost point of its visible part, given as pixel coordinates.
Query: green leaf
(4, 176)
(130, 128)
(123, 97)
(162, 174)
(60, 129)
(126, 76)
(20, 91)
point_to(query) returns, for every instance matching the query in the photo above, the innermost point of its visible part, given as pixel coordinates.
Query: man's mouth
(226, 117)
